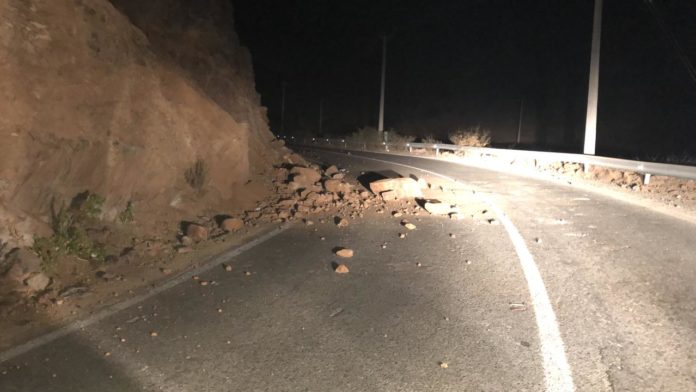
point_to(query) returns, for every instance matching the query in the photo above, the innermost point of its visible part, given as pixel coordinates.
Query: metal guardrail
(646, 168)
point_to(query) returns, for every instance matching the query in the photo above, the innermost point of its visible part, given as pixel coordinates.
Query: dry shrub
(365, 136)
(197, 175)
(471, 137)
(399, 141)
(429, 139)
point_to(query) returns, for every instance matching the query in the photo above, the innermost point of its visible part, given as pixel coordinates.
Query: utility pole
(593, 93)
(380, 126)
(282, 111)
(519, 124)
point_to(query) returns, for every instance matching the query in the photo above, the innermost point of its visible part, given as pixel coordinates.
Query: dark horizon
(458, 64)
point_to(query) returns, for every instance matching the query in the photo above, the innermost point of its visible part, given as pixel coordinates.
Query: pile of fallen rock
(305, 190)
(301, 192)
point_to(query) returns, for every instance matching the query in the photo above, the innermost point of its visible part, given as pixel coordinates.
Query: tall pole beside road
(380, 126)
(593, 93)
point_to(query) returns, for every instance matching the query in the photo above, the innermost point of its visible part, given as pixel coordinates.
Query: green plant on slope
(126, 216)
(69, 234)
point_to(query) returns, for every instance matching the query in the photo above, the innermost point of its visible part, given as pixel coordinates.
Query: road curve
(618, 279)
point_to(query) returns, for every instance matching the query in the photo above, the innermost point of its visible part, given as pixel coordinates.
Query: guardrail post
(437, 150)
(410, 149)
(646, 179)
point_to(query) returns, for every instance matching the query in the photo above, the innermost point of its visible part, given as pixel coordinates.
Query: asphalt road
(619, 280)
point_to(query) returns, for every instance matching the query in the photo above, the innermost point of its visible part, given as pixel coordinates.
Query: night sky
(461, 63)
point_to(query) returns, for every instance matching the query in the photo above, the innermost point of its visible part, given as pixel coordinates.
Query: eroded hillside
(150, 105)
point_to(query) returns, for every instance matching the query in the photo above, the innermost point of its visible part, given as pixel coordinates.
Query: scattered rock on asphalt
(232, 224)
(537, 240)
(452, 235)
(341, 222)
(408, 224)
(227, 267)
(493, 221)
(196, 232)
(341, 269)
(518, 307)
(436, 207)
(344, 252)
(166, 271)
(443, 365)
(396, 188)
(402, 235)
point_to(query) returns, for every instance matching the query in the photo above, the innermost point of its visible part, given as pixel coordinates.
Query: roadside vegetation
(370, 138)
(70, 236)
(475, 136)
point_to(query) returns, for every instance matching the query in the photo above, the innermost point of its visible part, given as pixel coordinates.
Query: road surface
(618, 281)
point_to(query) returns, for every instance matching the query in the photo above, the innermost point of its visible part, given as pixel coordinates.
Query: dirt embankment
(149, 104)
(120, 121)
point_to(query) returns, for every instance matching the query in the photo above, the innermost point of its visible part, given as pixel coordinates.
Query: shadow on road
(70, 364)
(372, 176)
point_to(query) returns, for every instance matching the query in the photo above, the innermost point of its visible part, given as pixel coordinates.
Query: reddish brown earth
(121, 98)
(150, 105)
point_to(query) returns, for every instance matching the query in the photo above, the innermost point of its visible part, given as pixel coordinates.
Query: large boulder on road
(396, 188)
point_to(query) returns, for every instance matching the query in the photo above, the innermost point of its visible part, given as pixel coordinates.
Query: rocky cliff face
(148, 102)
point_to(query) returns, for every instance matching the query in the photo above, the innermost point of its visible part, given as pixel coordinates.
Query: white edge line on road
(557, 372)
(115, 308)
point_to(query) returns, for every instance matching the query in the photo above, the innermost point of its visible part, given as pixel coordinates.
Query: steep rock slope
(122, 99)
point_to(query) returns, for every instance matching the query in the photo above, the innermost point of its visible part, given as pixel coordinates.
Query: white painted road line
(557, 373)
(111, 310)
